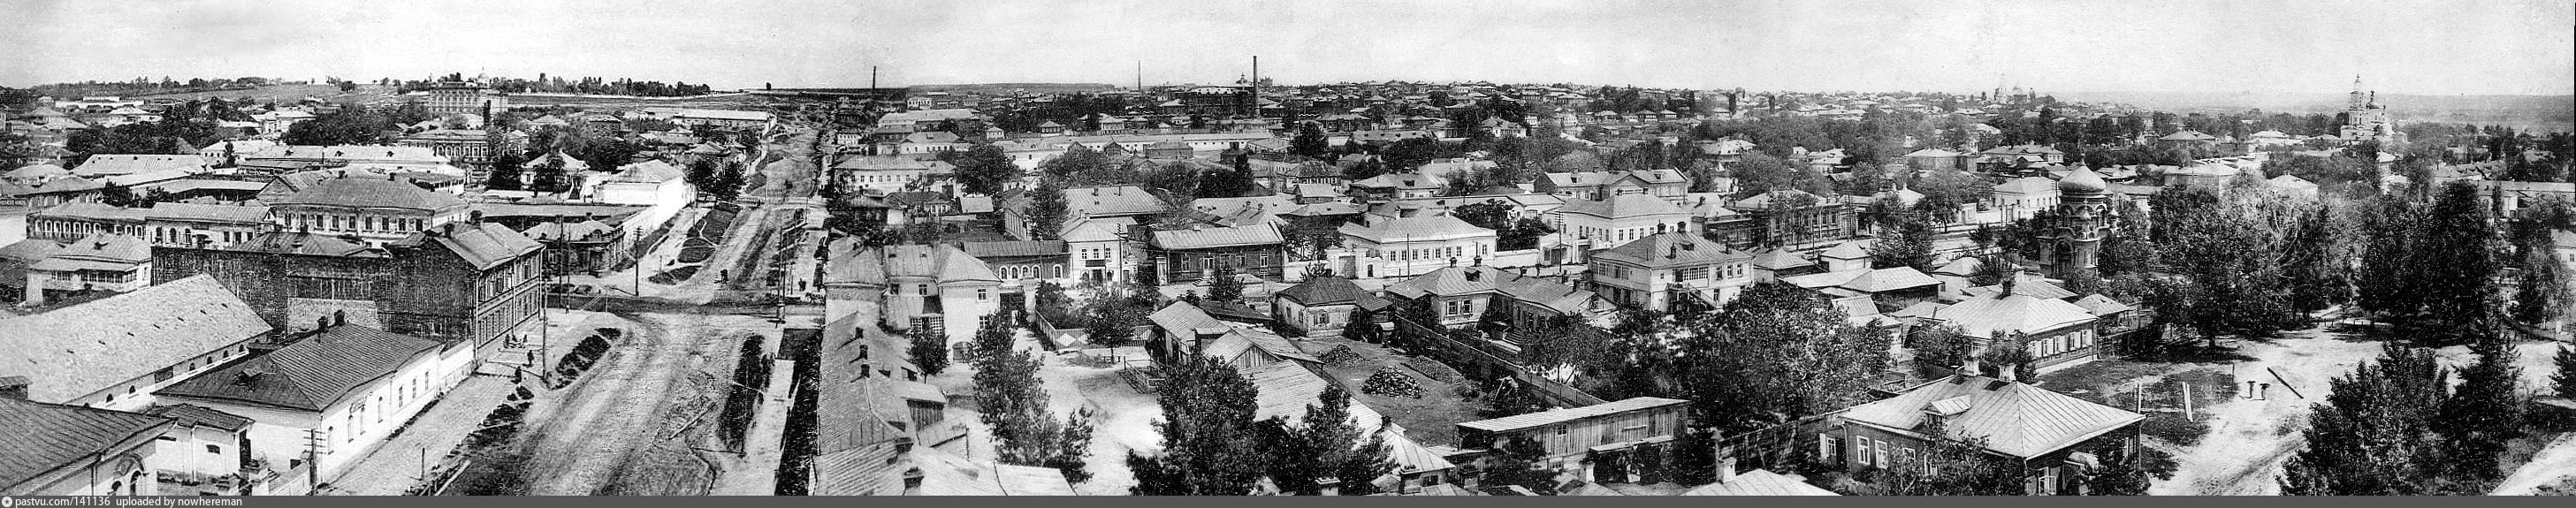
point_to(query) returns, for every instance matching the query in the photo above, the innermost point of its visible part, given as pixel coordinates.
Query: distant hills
(2536, 112)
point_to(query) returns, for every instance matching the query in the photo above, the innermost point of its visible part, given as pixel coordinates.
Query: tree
(2372, 435)
(2540, 293)
(2483, 412)
(1775, 354)
(1209, 447)
(1938, 350)
(505, 173)
(1326, 444)
(2455, 252)
(1518, 464)
(2564, 382)
(1225, 288)
(983, 168)
(1310, 142)
(1911, 246)
(1014, 404)
(1047, 209)
(548, 174)
(929, 351)
(2314, 265)
(1409, 154)
(348, 126)
(2387, 266)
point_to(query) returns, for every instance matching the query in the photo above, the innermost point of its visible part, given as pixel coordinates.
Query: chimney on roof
(14, 387)
(2005, 372)
(1970, 367)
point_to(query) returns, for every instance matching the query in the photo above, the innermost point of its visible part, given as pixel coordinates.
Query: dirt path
(594, 432)
(2552, 463)
(2248, 440)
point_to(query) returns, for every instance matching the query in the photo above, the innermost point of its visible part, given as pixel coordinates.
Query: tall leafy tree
(928, 351)
(983, 168)
(1327, 444)
(1047, 209)
(1014, 405)
(1911, 246)
(2387, 260)
(1775, 354)
(2457, 257)
(2314, 263)
(1209, 446)
(1309, 142)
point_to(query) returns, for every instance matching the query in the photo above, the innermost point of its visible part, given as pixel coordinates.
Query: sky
(2441, 47)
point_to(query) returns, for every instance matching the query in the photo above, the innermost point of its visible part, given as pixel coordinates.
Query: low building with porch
(1578, 439)
(2050, 437)
(1322, 306)
(1187, 256)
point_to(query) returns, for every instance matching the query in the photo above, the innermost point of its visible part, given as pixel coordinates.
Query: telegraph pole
(313, 440)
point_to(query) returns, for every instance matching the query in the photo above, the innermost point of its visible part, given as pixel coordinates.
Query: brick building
(460, 280)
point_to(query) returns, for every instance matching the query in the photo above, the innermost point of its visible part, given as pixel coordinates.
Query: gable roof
(1015, 248)
(483, 245)
(1209, 238)
(83, 348)
(127, 164)
(1623, 206)
(1865, 280)
(2025, 283)
(1672, 248)
(1760, 482)
(1286, 389)
(208, 213)
(312, 373)
(2015, 419)
(1326, 291)
(293, 242)
(1422, 226)
(2100, 305)
(367, 192)
(1568, 414)
(1777, 259)
(53, 436)
(1983, 316)
(1464, 280)
(192, 415)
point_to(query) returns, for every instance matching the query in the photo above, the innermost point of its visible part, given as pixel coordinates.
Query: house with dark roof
(458, 281)
(1323, 306)
(70, 450)
(1670, 270)
(1576, 439)
(584, 246)
(1406, 185)
(377, 210)
(115, 352)
(1182, 327)
(2054, 438)
(354, 384)
(1185, 256)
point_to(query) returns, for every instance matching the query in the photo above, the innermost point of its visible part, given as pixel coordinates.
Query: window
(983, 294)
(214, 448)
(1861, 448)
(1825, 448)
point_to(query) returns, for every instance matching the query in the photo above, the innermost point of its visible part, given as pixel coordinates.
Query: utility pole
(313, 440)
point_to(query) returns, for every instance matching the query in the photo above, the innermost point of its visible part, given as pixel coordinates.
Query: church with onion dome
(2072, 241)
